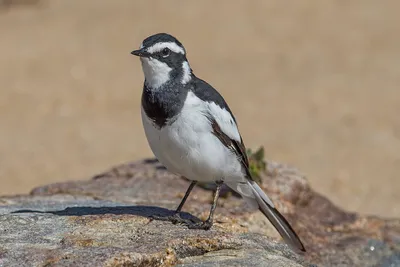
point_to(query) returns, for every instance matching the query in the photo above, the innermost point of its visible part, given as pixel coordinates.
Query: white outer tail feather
(261, 193)
(249, 190)
(264, 203)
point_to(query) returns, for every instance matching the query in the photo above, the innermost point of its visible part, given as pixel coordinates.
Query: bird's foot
(175, 219)
(201, 225)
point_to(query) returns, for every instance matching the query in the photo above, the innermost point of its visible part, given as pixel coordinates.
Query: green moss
(257, 163)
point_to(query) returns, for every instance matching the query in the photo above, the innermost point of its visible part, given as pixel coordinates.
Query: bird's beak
(140, 53)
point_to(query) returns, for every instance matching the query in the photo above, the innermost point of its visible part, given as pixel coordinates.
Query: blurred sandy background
(315, 82)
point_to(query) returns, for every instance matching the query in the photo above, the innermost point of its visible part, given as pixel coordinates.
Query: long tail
(278, 221)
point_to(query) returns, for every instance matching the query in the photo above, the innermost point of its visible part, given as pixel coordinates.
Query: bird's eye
(165, 52)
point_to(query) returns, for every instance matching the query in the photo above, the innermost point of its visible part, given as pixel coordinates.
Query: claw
(177, 219)
(201, 225)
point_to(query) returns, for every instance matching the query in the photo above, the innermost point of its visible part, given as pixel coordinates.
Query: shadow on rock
(143, 211)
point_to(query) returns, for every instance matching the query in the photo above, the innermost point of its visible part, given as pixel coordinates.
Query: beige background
(316, 82)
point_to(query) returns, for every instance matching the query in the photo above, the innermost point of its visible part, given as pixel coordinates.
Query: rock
(105, 222)
(64, 230)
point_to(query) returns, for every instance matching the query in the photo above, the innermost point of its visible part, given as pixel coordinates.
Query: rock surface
(105, 222)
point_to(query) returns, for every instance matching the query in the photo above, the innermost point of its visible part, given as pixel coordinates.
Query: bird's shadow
(150, 212)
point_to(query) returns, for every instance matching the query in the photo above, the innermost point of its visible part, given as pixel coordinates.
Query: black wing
(207, 93)
(237, 147)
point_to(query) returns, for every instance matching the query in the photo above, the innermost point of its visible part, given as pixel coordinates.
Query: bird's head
(163, 60)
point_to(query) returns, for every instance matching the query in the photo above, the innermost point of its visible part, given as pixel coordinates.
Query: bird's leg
(178, 210)
(209, 222)
(176, 218)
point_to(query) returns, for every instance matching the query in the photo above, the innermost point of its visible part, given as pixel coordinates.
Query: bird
(192, 131)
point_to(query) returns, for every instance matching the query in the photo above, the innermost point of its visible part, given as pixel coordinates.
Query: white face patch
(170, 45)
(186, 75)
(156, 73)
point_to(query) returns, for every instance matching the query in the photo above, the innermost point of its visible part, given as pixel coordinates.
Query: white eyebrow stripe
(160, 46)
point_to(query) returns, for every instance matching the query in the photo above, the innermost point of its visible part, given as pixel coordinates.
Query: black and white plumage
(192, 131)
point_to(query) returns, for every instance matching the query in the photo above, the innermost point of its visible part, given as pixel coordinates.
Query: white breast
(187, 147)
